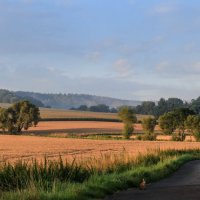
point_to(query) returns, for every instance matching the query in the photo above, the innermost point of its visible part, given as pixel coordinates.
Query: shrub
(197, 136)
(148, 125)
(128, 117)
(128, 130)
(149, 136)
(178, 137)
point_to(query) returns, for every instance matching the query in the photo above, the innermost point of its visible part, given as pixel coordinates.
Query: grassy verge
(88, 180)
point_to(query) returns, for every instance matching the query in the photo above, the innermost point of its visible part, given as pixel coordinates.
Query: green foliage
(197, 136)
(50, 184)
(97, 108)
(167, 123)
(192, 123)
(176, 120)
(163, 106)
(21, 115)
(128, 117)
(149, 136)
(181, 116)
(128, 130)
(148, 125)
(178, 137)
(21, 174)
(127, 114)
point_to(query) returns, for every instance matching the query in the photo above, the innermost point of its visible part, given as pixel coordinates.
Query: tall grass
(93, 178)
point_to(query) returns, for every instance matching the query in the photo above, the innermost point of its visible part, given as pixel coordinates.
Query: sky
(127, 49)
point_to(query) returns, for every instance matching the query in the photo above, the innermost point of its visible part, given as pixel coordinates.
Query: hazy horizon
(131, 49)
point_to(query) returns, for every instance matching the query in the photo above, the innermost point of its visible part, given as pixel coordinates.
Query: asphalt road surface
(182, 185)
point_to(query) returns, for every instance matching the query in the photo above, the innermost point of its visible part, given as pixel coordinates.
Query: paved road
(182, 185)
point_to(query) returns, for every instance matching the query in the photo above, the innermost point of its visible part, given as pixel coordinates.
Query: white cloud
(196, 66)
(122, 67)
(164, 9)
(162, 66)
(94, 56)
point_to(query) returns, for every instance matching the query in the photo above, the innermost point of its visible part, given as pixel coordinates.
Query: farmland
(62, 164)
(51, 113)
(27, 147)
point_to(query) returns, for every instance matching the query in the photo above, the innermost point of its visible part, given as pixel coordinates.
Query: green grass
(61, 180)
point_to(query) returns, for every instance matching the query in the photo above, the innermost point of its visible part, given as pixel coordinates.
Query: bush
(139, 137)
(148, 125)
(178, 137)
(197, 136)
(128, 130)
(149, 136)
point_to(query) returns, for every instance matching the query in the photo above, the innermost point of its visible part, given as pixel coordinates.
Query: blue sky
(129, 49)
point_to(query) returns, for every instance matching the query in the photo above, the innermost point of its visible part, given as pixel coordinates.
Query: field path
(183, 184)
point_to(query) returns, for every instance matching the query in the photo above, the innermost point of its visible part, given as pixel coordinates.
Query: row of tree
(175, 123)
(149, 107)
(20, 115)
(97, 108)
(166, 105)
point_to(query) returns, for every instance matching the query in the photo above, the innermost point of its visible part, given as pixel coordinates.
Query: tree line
(97, 108)
(167, 105)
(7, 96)
(20, 115)
(175, 123)
(149, 107)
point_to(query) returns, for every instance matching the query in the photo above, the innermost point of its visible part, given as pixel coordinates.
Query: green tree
(3, 119)
(167, 123)
(26, 114)
(127, 115)
(21, 115)
(175, 120)
(181, 115)
(192, 124)
(148, 125)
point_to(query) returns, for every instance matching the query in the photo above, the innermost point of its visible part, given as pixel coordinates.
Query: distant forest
(97, 108)
(10, 97)
(166, 105)
(98, 104)
(150, 107)
(63, 101)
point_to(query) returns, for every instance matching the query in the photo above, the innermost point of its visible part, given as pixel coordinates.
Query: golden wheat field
(28, 147)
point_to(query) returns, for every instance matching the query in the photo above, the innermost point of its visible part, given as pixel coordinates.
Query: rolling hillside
(67, 101)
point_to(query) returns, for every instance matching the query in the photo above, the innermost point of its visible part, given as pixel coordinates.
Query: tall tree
(128, 117)
(21, 115)
(167, 123)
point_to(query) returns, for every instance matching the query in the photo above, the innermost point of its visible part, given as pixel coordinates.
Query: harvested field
(28, 147)
(82, 127)
(61, 113)
(51, 113)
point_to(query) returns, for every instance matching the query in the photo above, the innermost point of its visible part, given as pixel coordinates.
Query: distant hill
(74, 100)
(65, 101)
(7, 96)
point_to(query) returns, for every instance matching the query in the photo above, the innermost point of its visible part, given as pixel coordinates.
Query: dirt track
(183, 184)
